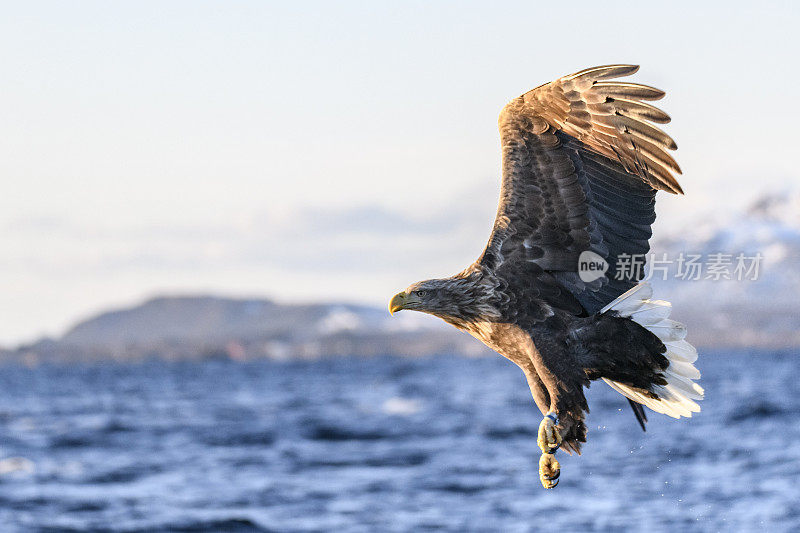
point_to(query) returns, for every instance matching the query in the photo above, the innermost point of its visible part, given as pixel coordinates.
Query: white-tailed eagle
(581, 166)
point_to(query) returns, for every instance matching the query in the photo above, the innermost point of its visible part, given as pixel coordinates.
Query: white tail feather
(676, 398)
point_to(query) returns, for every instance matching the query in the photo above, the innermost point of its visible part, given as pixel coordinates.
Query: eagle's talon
(549, 470)
(549, 438)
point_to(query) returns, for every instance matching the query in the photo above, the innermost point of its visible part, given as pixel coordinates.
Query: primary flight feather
(582, 162)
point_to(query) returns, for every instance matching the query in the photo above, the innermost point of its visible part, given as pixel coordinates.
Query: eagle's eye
(420, 294)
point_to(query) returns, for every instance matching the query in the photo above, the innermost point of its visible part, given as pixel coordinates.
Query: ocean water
(385, 444)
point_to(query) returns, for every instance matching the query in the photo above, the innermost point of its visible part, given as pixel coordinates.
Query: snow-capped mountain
(759, 307)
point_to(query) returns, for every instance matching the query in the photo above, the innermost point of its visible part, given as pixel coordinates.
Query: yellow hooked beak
(398, 302)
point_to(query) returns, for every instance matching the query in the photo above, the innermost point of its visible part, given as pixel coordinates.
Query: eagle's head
(455, 299)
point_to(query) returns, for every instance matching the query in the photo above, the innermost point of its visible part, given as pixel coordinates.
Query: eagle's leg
(549, 437)
(563, 421)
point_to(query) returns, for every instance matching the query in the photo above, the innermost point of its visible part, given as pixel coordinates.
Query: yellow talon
(549, 470)
(549, 438)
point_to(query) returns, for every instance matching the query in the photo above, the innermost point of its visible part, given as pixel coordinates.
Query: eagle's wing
(581, 166)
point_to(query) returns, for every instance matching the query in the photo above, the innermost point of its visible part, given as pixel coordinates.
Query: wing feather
(630, 91)
(582, 162)
(632, 109)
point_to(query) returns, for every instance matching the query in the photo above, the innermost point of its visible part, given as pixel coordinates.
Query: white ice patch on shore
(339, 319)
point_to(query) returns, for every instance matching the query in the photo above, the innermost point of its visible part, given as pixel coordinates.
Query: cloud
(361, 237)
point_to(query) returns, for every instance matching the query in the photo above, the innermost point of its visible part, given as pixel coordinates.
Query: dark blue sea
(385, 444)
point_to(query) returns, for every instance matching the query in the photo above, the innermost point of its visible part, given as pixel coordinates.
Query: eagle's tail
(676, 398)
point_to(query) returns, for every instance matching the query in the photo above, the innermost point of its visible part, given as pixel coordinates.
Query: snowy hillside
(762, 308)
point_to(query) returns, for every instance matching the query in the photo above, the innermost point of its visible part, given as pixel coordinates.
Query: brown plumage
(581, 166)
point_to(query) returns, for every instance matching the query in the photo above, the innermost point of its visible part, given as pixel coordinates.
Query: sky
(320, 151)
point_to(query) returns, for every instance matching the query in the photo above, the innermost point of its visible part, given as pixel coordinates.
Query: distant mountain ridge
(760, 313)
(194, 327)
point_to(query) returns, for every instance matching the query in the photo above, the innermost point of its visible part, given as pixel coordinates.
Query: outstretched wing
(581, 166)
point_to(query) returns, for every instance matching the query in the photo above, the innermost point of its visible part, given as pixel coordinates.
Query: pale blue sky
(327, 150)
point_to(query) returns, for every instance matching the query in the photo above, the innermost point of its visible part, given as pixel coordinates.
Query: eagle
(558, 289)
